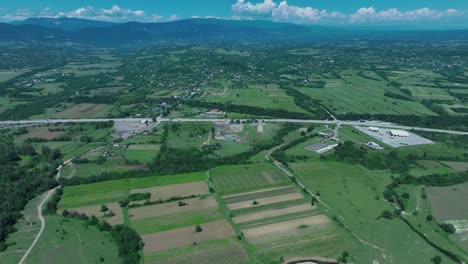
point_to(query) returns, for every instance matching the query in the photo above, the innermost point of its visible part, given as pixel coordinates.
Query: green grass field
(355, 194)
(172, 221)
(70, 241)
(140, 155)
(355, 94)
(8, 103)
(243, 178)
(188, 135)
(228, 251)
(258, 195)
(114, 190)
(261, 96)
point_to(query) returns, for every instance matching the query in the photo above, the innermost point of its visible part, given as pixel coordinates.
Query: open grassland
(266, 232)
(231, 148)
(6, 75)
(143, 139)
(8, 103)
(227, 251)
(187, 135)
(265, 201)
(250, 136)
(70, 241)
(242, 178)
(418, 208)
(46, 89)
(265, 193)
(458, 166)
(356, 94)
(91, 169)
(263, 96)
(169, 208)
(27, 228)
(449, 203)
(354, 193)
(84, 110)
(114, 190)
(185, 236)
(180, 219)
(139, 155)
(272, 213)
(95, 210)
(174, 190)
(435, 167)
(40, 132)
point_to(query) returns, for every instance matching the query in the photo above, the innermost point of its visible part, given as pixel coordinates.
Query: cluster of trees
(392, 161)
(128, 241)
(21, 183)
(139, 196)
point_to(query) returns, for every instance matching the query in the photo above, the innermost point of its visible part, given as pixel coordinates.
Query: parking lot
(384, 135)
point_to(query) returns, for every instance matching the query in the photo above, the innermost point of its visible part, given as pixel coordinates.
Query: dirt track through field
(263, 201)
(272, 213)
(174, 190)
(283, 227)
(186, 236)
(262, 190)
(194, 204)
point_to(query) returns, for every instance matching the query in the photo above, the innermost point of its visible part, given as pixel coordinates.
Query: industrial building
(398, 133)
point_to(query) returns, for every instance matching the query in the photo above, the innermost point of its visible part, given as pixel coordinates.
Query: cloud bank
(283, 11)
(113, 14)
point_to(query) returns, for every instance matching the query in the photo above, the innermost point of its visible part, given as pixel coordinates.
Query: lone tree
(312, 202)
(198, 228)
(255, 202)
(436, 260)
(104, 208)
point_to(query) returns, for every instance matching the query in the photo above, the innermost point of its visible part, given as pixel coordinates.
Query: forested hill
(200, 30)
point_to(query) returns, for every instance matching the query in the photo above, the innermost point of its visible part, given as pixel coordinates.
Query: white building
(399, 133)
(374, 129)
(374, 145)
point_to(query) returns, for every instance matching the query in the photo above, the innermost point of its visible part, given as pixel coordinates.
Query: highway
(302, 121)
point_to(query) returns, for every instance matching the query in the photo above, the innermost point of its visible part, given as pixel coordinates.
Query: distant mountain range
(99, 33)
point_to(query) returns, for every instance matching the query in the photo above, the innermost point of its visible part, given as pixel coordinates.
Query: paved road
(329, 122)
(302, 121)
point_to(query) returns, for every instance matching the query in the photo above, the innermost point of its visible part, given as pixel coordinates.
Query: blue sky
(441, 13)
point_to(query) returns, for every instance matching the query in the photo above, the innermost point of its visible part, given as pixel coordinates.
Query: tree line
(21, 183)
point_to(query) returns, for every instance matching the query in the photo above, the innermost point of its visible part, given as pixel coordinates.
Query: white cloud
(113, 14)
(263, 8)
(173, 17)
(370, 14)
(286, 12)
